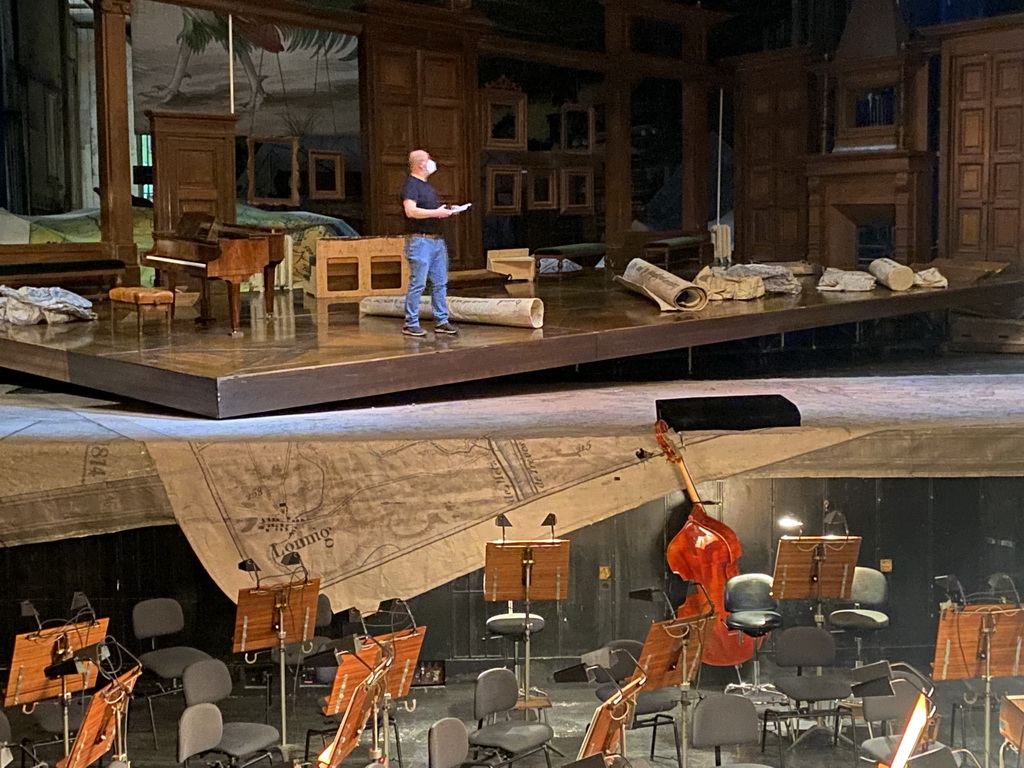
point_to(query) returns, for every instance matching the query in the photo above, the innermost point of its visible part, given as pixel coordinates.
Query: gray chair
(497, 735)
(754, 612)
(652, 707)
(892, 712)
(161, 617)
(726, 720)
(200, 730)
(447, 744)
(801, 647)
(208, 682)
(48, 715)
(869, 589)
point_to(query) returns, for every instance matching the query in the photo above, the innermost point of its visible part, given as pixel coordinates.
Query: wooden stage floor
(310, 353)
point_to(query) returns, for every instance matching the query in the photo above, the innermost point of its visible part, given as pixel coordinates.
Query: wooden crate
(353, 267)
(517, 263)
(986, 334)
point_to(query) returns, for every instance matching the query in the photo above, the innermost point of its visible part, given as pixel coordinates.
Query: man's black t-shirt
(426, 198)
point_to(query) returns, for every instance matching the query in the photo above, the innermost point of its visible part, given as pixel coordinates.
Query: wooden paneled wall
(773, 134)
(983, 142)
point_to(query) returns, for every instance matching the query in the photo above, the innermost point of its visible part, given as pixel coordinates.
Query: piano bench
(138, 299)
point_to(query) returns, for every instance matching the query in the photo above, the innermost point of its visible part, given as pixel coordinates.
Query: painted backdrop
(289, 81)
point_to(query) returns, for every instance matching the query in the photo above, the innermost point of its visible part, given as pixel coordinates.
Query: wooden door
(986, 132)
(193, 167)
(418, 102)
(773, 111)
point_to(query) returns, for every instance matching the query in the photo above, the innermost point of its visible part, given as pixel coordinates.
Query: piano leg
(268, 288)
(205, 315)
(169, 280)
(235, 304)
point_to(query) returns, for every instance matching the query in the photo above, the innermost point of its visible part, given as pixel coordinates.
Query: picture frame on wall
(325, 174)
(504, 117)
(504, 190)
(273, 171)
(577, 129)
(542, 189)
(577, 190)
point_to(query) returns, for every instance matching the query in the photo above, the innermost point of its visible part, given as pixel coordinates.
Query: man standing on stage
(425, 248)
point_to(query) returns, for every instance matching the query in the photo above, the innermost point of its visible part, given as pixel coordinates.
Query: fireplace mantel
(846, 189)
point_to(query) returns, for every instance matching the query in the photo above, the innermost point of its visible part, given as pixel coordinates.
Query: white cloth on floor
(840, 280)
(29, 306)
(720, 286)
(930, 278)
(777, 278)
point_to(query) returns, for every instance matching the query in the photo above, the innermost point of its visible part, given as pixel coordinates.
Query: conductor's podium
(354, 267)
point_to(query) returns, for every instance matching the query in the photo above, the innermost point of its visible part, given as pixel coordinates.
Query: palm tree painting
(289, 81)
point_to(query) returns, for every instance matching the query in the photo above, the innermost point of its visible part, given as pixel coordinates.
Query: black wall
(926, 526)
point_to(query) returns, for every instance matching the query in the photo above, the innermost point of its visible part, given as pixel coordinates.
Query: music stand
(671, 657)
(606, 733)
(270, 615)
(35, 652)
(102, 727)
(980, 641)
(527, 571)
(815, 568)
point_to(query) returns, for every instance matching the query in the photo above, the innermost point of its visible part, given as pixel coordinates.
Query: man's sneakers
(419, 333)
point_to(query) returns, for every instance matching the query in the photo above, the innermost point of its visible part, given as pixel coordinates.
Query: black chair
(754, 612)
(726, 720)
(652, 707)
(801, 647)
(497, 736)
(869, 589)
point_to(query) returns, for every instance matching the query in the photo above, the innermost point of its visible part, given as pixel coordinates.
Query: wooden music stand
(273, 615)
(350, 728)
(815, 568)
(35, 651)
(671, 656)
(350, 675)
(980, 641)
(407, 644)
(527, 571)
(102, 728)
(606, 732)
(351, 671)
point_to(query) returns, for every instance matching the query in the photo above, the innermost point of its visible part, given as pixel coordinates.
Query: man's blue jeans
(428, 259)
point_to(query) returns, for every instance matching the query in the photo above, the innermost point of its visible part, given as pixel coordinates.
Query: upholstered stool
(138, 300)
(512, 626)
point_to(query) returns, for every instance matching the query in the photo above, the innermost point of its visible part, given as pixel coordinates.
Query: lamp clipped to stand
(270, 615)
(50, 662)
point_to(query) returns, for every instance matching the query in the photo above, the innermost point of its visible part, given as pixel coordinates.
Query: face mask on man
(431, 167)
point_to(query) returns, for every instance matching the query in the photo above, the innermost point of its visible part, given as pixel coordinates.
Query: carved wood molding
(122, 7)
(504, 83)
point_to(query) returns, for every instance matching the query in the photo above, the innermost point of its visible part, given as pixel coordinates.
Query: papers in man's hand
(460, 208)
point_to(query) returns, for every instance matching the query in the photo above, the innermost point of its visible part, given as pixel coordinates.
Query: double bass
(706, 551)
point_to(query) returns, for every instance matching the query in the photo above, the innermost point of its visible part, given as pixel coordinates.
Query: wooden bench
(44, 264)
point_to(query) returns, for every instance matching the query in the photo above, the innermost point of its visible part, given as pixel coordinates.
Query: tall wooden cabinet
(193, 166)
(773, 113)
(419, 92)
(983, 133)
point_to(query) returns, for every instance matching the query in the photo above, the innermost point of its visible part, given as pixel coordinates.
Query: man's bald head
(418, 160)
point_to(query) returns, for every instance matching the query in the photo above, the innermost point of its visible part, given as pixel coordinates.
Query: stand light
(249, 566)
(502, 522)
(550, 522)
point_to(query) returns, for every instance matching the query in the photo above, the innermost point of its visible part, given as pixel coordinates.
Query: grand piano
(202, 247)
